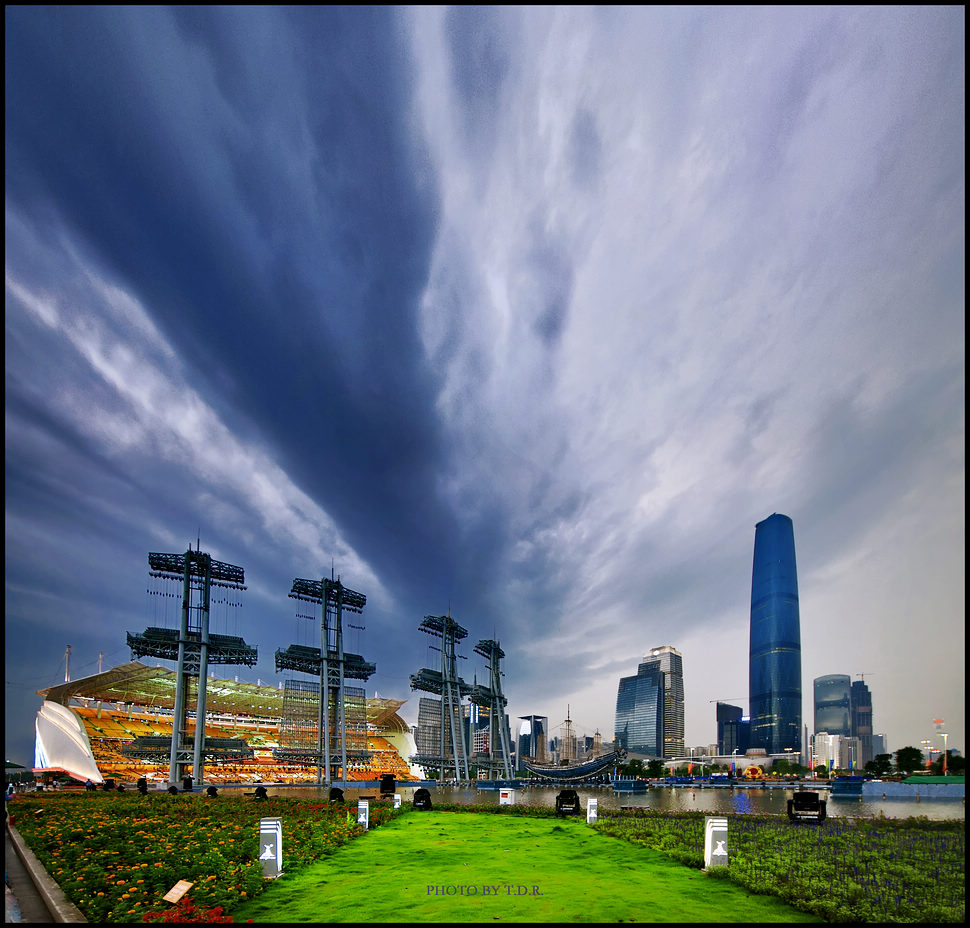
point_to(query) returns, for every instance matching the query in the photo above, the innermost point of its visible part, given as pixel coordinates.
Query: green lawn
(466, 867)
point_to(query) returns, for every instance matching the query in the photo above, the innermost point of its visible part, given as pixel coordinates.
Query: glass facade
(640, 711)
(833, 704)
(672, 664)
(729, 729)
(532, 738)
(775, 651)
(861, 700)
(650, 706)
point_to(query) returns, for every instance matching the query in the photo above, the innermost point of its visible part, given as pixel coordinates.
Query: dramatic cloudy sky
(529, 313)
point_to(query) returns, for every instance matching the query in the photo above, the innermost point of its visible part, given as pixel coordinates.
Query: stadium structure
(87, 729)
(185, 726)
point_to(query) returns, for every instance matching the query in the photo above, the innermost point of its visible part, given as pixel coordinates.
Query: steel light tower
(499, 753)
(193, 648)
(332, 666)
(451, 688)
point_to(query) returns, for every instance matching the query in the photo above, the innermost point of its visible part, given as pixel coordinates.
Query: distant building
(650, 706)
(862, 718)
(729, 729)
(833, 704)
(775, 650)
(878, 746)
(850, 754)
(533, 734)
(826, 750)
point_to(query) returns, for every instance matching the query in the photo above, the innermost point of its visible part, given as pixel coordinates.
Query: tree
(956, 765)
(880, 766)
(909, 759)
(635, 768)
(655, 768)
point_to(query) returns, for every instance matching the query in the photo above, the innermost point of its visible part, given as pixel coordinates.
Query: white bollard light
(271, 847)
(715, 842)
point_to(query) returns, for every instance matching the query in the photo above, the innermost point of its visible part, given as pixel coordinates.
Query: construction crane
(729, 699)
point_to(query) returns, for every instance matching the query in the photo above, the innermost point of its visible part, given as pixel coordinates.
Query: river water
(672, 798)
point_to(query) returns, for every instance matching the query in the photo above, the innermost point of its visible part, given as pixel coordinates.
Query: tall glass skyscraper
(650, 706)
(775, 649)
(862, 718)
(833, 705)
(729, 729)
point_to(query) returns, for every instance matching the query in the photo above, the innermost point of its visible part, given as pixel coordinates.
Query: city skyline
(523, 314)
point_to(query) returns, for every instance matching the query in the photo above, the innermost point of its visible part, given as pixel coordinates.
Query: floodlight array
(486, 647)
(438, 625)
(172, 567)
(430, 681)
(331, 591)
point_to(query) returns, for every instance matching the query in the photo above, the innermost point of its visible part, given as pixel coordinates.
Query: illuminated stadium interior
(108, 711)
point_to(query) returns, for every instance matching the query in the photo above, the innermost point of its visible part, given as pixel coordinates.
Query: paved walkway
(22, 901)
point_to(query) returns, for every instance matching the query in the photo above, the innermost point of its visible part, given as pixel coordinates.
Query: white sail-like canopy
(61, 743)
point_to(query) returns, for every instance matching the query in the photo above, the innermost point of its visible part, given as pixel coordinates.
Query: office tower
(672, 664)
(532, 738)
(729, 728)
(850, 754)
(826, 750)
(878, 745)
(639, 723)
(833, 704)
(775, 653)
(861, 700)
(650, 706)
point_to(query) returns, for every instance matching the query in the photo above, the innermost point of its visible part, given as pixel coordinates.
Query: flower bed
(115, 855)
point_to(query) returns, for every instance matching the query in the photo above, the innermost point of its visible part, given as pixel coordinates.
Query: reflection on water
(740, 802)
(673, 799)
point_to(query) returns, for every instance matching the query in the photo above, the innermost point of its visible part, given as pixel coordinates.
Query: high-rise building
(833, 704)
(650, 706)
(861, 708)
(825, 749)
(533, 742)
(729, 729)
(775, 651)
(639, 726)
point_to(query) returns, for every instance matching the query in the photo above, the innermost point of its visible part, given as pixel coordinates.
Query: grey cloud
(585, 149)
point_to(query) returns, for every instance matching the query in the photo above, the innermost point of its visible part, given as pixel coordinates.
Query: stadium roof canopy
(154, 687)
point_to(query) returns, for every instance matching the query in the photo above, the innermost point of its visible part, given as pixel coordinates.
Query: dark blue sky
(529, 313)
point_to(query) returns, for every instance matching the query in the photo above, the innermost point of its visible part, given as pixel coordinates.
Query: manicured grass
(466, 867)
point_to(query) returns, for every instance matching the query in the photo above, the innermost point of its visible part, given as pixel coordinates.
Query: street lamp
(944, 735)
(927, 747)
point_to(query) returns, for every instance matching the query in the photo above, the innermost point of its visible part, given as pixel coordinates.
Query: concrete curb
(61, 908)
